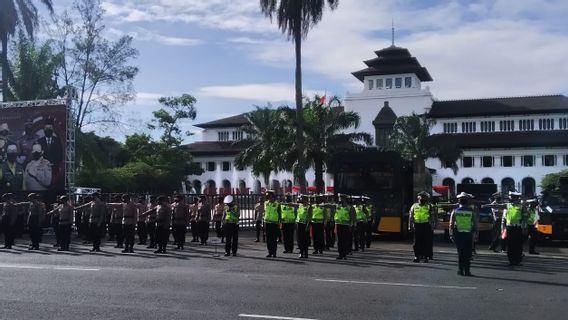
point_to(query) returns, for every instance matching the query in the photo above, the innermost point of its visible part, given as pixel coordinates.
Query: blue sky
(231, 58)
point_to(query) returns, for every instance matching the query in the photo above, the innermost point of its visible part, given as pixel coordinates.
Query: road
(382, 283)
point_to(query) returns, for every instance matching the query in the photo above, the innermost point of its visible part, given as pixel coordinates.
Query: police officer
(129, 216)
(85, 213)
(97, 221)
(218, 212)
(513, 220)
(463, 229)
(271, 219)
(151, 222)
(344, 218)
(203, 219)
(193, 210)
(36, 216)
(288, 218)
(303, 219)
(419, 222)
(9, 217)
(141, 221)
(163, 222)
(258, 218)
(117, 210)
(532, 218)
(318, 222)
(497, 244)
(329, 222)
(65, 211)
(180, 221)
(231, 226)
(370, 218)
(360, 224)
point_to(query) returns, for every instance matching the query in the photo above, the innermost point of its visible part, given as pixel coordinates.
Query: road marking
(259, 316)
(19, 266)
(398, 284)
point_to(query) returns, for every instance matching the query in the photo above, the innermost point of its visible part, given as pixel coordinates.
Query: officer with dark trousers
(9, 218)
(36, 216)
(65, 211)
(116, 220)
(329, 222)
(272, 212)
(163, 222)
(318, 223)
(344, 218)
(360, 224)
(97, 221)
(303, 219)
(532, 219)
(151, 222)
(513, 221)
(463, 230)
(259, 219)
(129, 217)
(288, 219)
(141, 221)
(231, 218)
(203, 220)
(497, 207)
(370, 218)
(419, 223)
(180, 221)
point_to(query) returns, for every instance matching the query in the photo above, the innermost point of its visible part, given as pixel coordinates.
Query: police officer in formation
(420, 223)
(231, 218)
(514, 221)
(303, 220)
(180, 221)
(288, 219)
(344, 219)
(532, 218)
(272, 213)
(463, 230)
(497, 243)
(129, 217)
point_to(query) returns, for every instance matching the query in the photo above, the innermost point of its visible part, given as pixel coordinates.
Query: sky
(232, 58)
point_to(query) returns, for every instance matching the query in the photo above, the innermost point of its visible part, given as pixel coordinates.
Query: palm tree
(295, 19)
(12, 14)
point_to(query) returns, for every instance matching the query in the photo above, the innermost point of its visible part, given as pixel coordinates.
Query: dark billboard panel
(32, 149)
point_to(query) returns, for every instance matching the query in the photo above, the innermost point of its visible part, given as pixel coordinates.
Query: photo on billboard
(32, 149)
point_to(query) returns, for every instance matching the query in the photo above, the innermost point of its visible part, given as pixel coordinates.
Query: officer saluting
(231, 217)
(463, 228)
(419, 222)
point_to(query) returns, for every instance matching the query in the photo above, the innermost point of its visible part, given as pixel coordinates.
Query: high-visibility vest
(421, 213)
(360, 214)
(271, 212)
(464, 222)
(531, 219)
(302, 216)
(513, 215)
(287, 213)
(342, 215)
(231, 216)
(317, 214)
(369, 212)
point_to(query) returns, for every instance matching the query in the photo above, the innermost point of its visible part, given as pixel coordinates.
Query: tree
(34, 71)
(12, 14)
(295, 18)
(550, 181)
(95, 70)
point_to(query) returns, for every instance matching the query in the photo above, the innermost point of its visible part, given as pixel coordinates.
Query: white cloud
(142, 34)
(265, 92)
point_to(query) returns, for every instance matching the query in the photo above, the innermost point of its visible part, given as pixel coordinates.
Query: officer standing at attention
(218, 212)
(151, 222)
(329, 222)
(288, 218)
(271, 219)
(497, 244)
(258, 218)
(85, 218)
(532, 218)
(97, 221)
(180, 221)
(116, 220)
(129, 217)
(463, 229)
(203, 219)
(36, 216)
(231, 226)
(318, 222)
(303, 219)
(9, 217)
(513, 220)
(370, 218)
(419, 222)
(163, 222)
(141, 221)
(360, 224)
(65, 211)
(344, 217)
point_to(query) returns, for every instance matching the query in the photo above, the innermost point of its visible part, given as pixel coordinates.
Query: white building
(512, 142)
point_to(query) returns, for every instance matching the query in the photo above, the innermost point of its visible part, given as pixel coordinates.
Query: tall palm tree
(295, 19)
(12, 14)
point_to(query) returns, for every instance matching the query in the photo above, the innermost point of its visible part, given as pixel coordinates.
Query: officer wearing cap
(203, 219)
(272, 213)
(231, 218)
(65, 212)
(419, 222)
(344, 219)
(463, 227)
(513, 221)
(288, 218)
(36, 216)
(318, 222)
(141, 221)
(532, 219)
(360, 224)
(151, 222)
(117, 211)
(12, 173)
(129, 216)
(163, 222)
(329, 223)
(370, 218)
(180, 221)
(497, 244)
(9, 217)
(258, 218)
(303, 219)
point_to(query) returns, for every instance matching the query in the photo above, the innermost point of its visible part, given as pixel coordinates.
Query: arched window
(467, 180)
(528, 187)
(507, 184)
(487, 180)
(210, 187)
(451, 185)
(257, 187)
(226, 187)
(197, 186)
(275, 185)
(243, 187)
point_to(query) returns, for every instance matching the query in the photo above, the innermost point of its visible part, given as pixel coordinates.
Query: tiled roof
(522, 139)
(234, 121)
(385, 116)
(499, 106)
(216, 148)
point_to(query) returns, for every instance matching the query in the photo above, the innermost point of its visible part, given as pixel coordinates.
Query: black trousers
(151, 228)
(203, 227)
(343, 239)
(258, 228)
(318, 235)
(142, 232)
(496, 241)
(329, 235)
(231, 231)
(464, 243)
(303, 238)
(422, 240)
(163, 235)
(179, 231)
(515, 245)
(219, 229)
(57, 232)
(272, 232)
(65, 230)
(533, 238)
(369, 234)
(288, 236)
(194, 231)
(35, 234)
(9, 234)
(96, 233)
(119, 234)
(129, 231)
(359, 235)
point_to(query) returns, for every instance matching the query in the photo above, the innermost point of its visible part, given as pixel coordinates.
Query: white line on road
(259, 316)
(19, 266)
(398, 284)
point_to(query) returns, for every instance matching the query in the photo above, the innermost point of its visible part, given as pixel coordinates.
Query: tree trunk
(318, 168)
(4, 58)
(301, 170)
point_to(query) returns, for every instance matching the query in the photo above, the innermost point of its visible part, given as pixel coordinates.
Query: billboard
(32, 149)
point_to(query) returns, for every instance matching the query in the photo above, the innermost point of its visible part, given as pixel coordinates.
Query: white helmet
(228, 199)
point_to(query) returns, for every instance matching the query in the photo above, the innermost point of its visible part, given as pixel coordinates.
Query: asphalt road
(382, 283)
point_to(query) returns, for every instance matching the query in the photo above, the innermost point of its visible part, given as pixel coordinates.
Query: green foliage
(177, 110)
(95, 153)
(550, 180)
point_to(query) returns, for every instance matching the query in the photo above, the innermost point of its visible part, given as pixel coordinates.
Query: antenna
(393, 32)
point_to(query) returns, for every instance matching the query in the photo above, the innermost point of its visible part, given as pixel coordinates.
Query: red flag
(322, 99)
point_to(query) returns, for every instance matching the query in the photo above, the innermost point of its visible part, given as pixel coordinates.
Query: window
(408, 82)
(223, 135)
(487, 162)
(507, 161)
(371, 84)
(565, 159)
(487, 126)
(468, 162)
(237, 135)
(388, 83)
(468, 127)
(448, 164)
(527, 161)
(563, 123)
(210, 166)
(197, 164)
(546, 124)
(526, 125)
(398, 83)
(451, 127)
(507, 125)
(549, 160)
(380, 84)
(226, 166)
